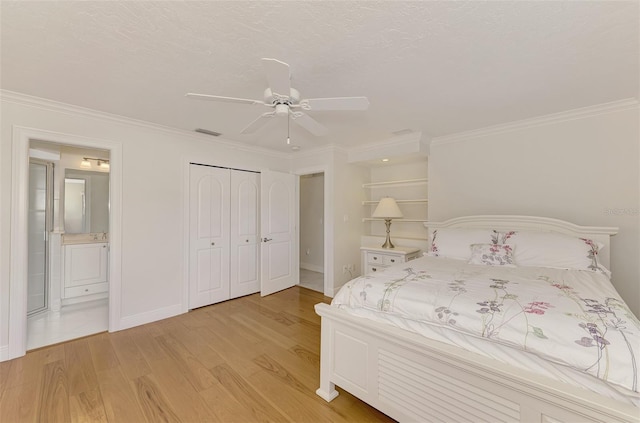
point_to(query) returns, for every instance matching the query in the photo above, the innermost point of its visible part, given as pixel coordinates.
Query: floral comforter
(570, 317)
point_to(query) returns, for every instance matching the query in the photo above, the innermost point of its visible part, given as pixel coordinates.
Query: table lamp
(387, 209)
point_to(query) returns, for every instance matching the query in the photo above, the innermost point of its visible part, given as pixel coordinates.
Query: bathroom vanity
(85, 266)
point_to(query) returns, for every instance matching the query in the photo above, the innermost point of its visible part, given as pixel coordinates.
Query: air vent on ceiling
(208, 132)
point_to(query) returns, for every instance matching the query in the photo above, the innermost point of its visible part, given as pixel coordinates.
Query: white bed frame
(412, 378)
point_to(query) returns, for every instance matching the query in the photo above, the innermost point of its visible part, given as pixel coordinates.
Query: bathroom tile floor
(72, 321)
(312, 280)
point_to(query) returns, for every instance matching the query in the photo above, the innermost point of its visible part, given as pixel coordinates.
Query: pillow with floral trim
(545, 249)
(492, 255)
(454, 242)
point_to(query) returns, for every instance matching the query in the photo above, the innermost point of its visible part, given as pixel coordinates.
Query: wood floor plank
(154, 405)
(87, 407)
(145, 338)
(225, 406)
(4, 375)
(81, 375)
(119, 398)
(54, 394)
(131, 359)
(197, 374)
(242, 391)
(102, 353)
(20, 403)
(188, 405)
(26, 369)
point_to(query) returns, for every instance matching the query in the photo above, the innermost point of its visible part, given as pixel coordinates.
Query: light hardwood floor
(245, 360)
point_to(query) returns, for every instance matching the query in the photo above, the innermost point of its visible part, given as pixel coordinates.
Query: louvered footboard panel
(431, 395)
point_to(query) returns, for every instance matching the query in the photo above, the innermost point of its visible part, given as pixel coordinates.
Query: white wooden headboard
(532, 224)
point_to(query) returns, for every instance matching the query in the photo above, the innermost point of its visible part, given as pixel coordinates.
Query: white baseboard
(150, 316)
(4, 353)
(312, 267)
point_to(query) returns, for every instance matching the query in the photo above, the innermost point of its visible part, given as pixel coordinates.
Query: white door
(209, 235)
(245, 237)
(279, 258)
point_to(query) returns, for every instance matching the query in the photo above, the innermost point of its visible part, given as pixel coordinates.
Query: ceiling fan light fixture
(285, 101)
(282, 110)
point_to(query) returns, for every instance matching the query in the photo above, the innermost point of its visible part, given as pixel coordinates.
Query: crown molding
(59, 107)
(568, 115)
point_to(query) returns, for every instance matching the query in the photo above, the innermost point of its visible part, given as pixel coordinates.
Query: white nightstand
(375, 259)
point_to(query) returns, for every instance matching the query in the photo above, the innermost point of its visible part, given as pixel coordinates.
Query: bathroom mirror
(86, 201)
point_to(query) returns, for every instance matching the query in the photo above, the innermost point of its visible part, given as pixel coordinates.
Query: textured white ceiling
(435, 67)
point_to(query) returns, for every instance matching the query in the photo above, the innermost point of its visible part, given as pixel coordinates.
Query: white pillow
(544, 249)
(492, 254)
(454, 242)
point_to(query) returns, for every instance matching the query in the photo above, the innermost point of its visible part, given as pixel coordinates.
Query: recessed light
(385, 160)
(295, 147)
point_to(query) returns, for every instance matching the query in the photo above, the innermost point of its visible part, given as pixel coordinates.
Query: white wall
(152, 196)
(580, 167)
(312, 222)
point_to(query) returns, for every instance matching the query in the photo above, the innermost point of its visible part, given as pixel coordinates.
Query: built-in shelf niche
(411, 194)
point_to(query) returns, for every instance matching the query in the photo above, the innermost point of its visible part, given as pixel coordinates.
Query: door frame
(328, 220)
(21, 138)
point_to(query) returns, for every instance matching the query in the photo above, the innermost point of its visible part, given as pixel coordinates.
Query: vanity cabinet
(85, 269)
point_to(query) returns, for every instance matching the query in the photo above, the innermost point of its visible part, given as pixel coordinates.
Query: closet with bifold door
(224, 239)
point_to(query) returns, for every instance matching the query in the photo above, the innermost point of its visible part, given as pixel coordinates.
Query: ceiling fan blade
(278, 76)
(310, 124)
(256, 124)
(223, 99)
(336, 103)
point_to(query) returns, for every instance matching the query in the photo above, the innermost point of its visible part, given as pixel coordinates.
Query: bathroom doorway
(312, 228)
(23, 139)
(68, 217)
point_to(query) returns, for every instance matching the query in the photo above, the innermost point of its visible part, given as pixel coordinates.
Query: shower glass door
(39, 216)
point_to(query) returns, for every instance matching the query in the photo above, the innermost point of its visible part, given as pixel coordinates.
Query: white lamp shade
(387, 209)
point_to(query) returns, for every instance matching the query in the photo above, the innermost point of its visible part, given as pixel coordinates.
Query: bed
(441, 359)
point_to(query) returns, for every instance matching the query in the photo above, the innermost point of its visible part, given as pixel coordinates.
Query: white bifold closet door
(224, 238)
(245, 235)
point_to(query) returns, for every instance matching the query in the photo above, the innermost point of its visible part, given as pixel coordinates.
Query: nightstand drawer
(389, 260)
(374, 269)
(375, 258)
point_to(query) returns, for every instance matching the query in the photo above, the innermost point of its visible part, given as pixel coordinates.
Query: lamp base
(387, 242)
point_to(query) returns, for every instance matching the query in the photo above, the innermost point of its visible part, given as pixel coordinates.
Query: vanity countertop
(93, 238)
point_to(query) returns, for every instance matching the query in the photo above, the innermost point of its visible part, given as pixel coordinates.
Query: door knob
(267, 239)
(213, 243)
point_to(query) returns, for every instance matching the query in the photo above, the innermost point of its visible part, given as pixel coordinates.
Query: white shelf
(390, 183)
(365, 219)
(418, 201)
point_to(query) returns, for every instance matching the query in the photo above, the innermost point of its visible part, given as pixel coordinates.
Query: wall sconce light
(102, 163)
(387, 209)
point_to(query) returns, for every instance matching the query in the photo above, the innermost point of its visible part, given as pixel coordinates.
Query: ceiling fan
(286, 101)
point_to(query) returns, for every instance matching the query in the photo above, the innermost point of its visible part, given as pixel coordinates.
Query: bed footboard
(411, 378)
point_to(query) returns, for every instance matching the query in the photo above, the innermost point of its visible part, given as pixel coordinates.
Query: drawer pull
(374, 269)
(375, 258)
(393, 260)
